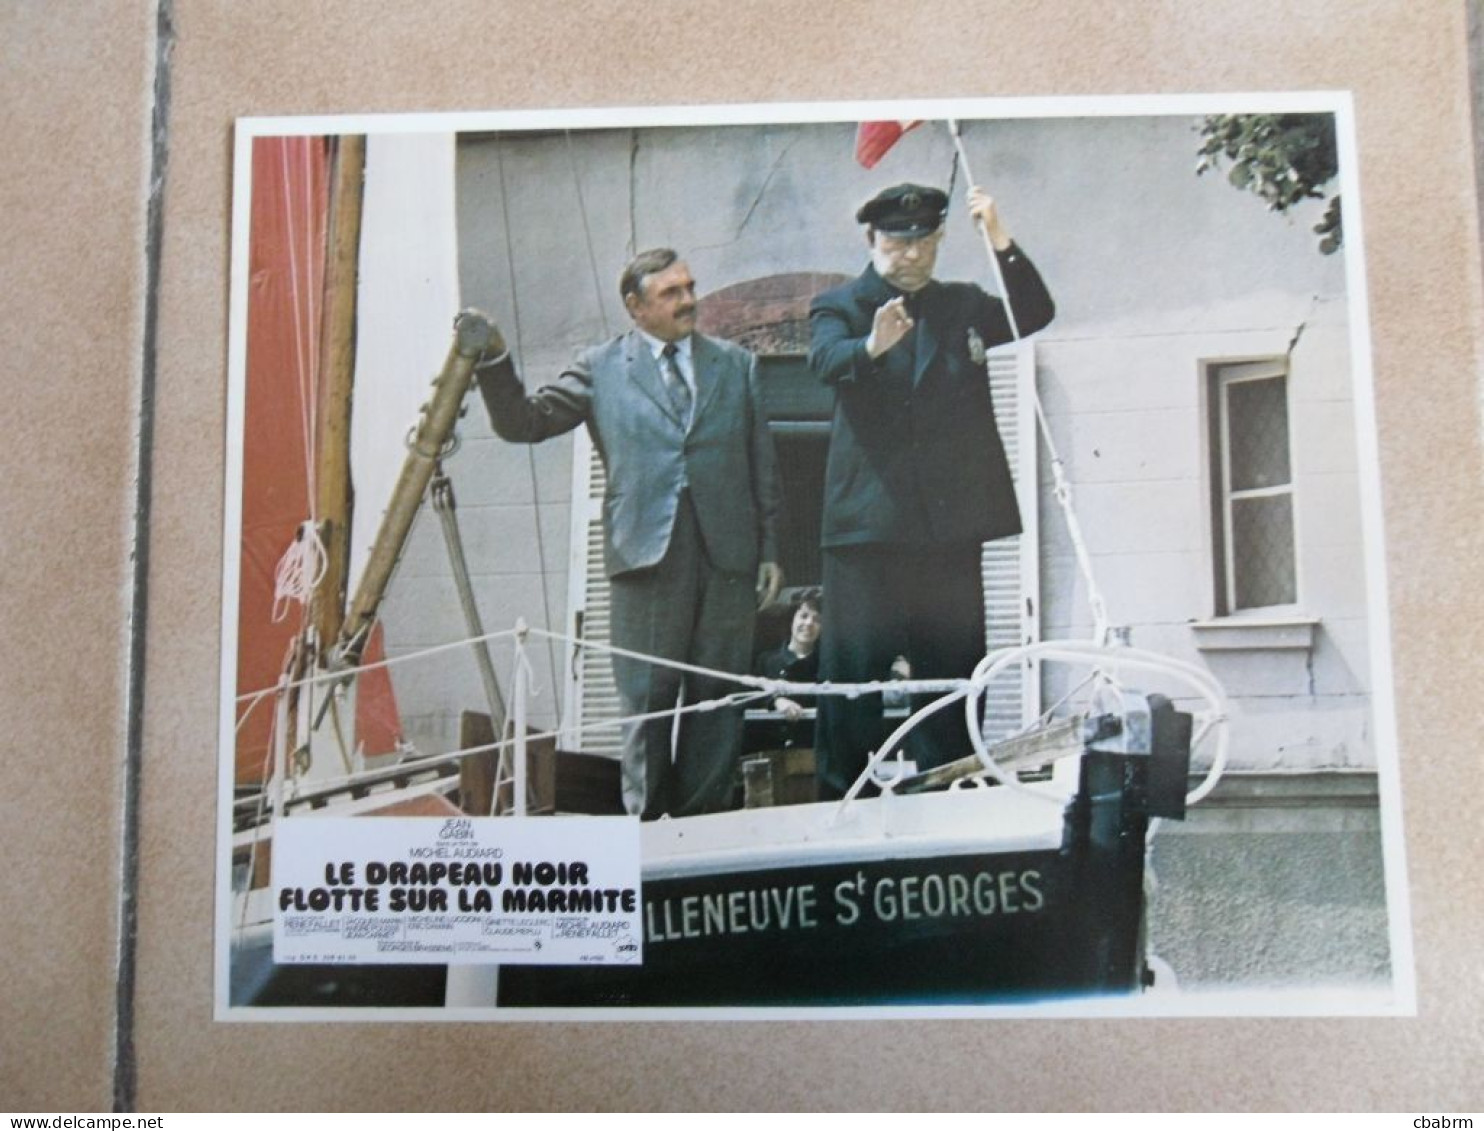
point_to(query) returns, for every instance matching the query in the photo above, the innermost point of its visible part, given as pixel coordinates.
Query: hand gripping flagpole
(1061, 489)
(994, 260)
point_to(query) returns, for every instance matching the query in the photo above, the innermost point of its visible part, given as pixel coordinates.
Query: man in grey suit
(689, 520)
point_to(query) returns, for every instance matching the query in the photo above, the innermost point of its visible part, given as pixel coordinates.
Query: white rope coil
(301, 568)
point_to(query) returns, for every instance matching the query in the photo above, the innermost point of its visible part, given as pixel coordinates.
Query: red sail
(286, 268)
(286, 260)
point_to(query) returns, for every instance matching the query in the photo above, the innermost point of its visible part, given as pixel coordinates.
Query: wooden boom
(424, 449)
(1040, 747)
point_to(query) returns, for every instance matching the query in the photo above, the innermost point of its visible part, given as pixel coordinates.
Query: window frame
(1221, 375)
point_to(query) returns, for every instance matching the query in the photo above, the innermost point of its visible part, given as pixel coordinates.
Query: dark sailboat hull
(937, 930)
(912, 926)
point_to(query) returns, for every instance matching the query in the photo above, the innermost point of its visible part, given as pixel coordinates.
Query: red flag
(873, 139)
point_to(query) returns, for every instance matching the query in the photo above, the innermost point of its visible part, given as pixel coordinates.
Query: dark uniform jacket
(915, 455)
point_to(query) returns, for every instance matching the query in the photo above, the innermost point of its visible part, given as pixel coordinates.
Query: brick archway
(769, 315)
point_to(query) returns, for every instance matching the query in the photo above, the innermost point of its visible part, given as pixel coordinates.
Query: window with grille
(1252, 486)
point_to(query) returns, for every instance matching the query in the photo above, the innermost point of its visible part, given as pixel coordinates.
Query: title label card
(461, 890)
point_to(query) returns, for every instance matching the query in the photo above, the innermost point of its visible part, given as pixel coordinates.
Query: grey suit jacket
(725, 457)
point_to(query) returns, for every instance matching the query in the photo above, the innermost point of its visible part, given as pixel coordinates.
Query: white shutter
(591, 695)
(1011, 566)
(1011, 571)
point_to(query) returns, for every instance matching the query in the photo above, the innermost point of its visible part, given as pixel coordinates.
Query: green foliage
(1283, 158)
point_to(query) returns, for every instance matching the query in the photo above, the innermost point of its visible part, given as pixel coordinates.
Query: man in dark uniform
(917, 478)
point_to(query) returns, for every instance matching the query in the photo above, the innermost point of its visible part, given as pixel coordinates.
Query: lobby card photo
(907, 559)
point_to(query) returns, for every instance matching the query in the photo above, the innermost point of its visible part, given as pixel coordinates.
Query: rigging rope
(339, 674)
(1198, 678)
(432, 761)
(760, 688)
(1062, 490)
(263, 780)
(761, 684)
(587, 235)
(518, 349)
(304, 361)
(304, 562)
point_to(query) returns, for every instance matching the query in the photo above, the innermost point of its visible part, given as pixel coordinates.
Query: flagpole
(1062, 489)
(994, 259)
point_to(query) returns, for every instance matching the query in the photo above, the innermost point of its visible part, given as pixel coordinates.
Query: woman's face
(805, 628)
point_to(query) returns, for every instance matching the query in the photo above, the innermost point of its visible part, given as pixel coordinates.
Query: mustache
(682, 311)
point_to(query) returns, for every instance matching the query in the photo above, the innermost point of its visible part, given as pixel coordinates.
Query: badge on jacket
(976, 347)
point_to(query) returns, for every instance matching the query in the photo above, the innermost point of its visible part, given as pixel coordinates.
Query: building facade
(1199, 387)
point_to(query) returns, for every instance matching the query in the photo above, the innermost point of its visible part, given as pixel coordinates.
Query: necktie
(675, 383)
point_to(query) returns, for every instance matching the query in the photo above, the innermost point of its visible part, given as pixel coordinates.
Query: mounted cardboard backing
(1407, 67)
(73, 185)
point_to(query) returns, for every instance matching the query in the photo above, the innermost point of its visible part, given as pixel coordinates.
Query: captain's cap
(907, 212)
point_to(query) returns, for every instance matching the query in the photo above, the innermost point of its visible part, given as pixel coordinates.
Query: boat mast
(337, 373)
